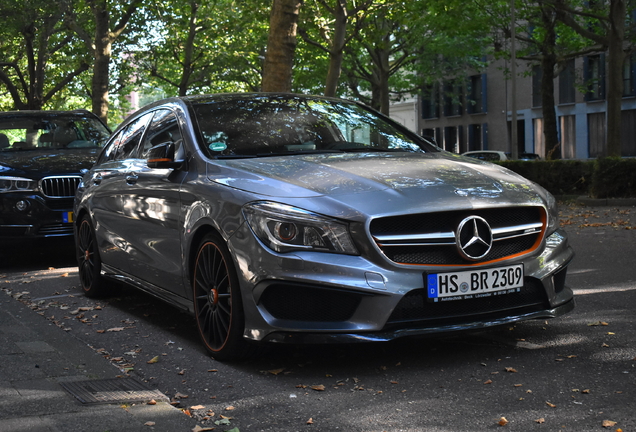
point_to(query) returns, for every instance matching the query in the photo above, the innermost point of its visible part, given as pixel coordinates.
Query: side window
(111, 149)
(163, 129)
(125, 144)
(132, 137)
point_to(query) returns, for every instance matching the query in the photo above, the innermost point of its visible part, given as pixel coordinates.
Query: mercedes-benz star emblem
(474, 238)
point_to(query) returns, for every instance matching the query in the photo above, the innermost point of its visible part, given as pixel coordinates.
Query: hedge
(598, 178)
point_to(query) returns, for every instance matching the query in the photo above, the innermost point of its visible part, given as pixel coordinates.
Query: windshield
(274, 125)
(60, 131)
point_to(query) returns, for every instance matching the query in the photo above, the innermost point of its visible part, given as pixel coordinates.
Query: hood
(40, 163)
(442, 178)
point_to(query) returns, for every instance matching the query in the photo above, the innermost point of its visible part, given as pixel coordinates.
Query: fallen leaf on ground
(598, 323)
(149, 423)
(230, 408)
(502, 421)
(152, 402)
(198, 428)
(550, 404)
(608, 423)
(510, 369)
(488, 382)
(310, 421)
(180, 396)
(153, 360)
(318, 387)
(115, 329)
(275, 371)
(197, 407)
(540, 421)
(586, 391)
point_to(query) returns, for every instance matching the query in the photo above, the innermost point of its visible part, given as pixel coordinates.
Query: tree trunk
(615, 59)
(281, 46)
(336, 52)
(102, 44)
(548, 65)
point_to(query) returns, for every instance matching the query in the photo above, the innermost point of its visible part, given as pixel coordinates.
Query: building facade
(475, 112)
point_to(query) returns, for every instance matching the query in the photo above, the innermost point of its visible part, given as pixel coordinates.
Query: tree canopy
(92, 53)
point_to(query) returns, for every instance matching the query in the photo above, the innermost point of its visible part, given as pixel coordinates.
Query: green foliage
(559, 177)
(38, 55)
(614, 178)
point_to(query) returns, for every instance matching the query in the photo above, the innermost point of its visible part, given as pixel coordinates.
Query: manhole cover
(116, 390)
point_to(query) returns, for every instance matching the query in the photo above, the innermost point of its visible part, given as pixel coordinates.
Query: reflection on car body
(42, 154)
(287, 218)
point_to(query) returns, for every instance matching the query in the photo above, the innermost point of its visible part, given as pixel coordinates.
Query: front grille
(303, 303)
(51, 230)
(429, 238)
(60, 187)
(415, 308)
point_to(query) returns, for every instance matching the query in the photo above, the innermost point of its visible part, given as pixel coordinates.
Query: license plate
(475, 283)
(67, 217)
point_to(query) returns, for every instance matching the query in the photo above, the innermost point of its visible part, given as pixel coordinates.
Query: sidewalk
(37, 357)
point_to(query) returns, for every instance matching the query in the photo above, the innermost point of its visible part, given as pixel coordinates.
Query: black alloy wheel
(89, 262)
(218, 307)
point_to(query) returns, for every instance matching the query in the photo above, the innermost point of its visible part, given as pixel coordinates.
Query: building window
(567, 89)
(433, 134)
(430, 102)
(451, 139)
(594, 73)
(452, 99)
(477, 137)
(537, 77)
(477, 94)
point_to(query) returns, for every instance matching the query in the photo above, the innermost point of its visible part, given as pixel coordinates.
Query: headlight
(17, 184)
(553, 214)
(285, 228)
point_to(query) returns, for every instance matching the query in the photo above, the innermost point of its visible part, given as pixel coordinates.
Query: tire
(218, 307)
(89, 262)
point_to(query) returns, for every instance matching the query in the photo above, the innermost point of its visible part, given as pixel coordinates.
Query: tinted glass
(51, 130)
(163, 129)
(279, 125)
(126, 144)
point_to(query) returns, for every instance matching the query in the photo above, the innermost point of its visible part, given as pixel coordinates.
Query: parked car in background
(487, 155)
(529, 157)
(42, 154)
(292, 219)
(496, 155)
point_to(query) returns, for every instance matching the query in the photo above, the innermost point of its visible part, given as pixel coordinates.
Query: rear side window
(125, 144)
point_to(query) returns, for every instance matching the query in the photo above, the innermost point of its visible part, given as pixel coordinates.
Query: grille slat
(60, 187)
(521, 228)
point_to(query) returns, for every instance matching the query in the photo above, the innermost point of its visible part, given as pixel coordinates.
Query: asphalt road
(571, 373)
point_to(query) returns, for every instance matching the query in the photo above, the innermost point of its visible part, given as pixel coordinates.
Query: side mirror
(162, 156)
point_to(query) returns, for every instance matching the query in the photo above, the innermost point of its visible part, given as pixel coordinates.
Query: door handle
(131, 178)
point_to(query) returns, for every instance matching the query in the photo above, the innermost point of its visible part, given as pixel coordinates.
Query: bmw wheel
(217, 301)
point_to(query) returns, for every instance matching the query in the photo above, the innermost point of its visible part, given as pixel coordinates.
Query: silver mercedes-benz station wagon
(289, 218)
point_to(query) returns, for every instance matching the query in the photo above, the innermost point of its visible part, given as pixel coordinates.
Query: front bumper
(318, 297)
(40, 219)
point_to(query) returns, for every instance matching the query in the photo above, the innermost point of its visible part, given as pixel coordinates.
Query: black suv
(42, 156)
